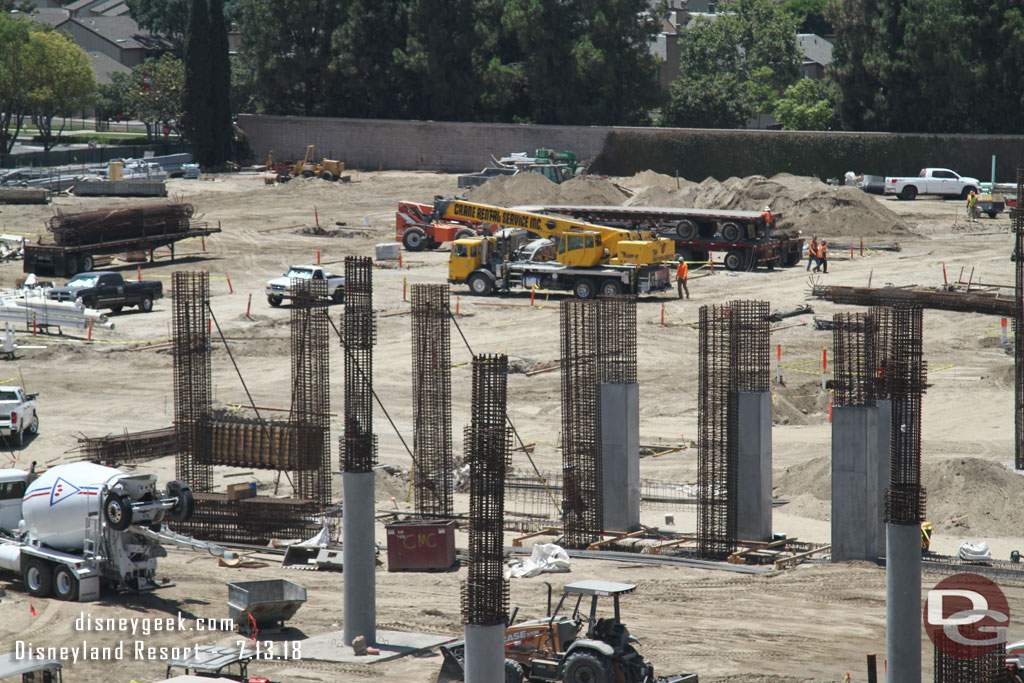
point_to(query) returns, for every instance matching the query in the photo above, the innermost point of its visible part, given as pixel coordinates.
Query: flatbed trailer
(46, 257)
(743, 236)
(583, 282)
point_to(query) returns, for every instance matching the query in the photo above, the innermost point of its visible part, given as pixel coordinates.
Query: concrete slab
(329, 647)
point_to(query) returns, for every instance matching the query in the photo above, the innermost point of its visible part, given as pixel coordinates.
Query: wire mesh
(358, 331)
(905, 374)
(950, 668)
(251, 520)
(432, 400)
(193, 389)
(855, 366)
(883, 349)
(310, 371)
(617, 339)
(1018, 326)
(750, 342)
(487, 441)
(129, 447)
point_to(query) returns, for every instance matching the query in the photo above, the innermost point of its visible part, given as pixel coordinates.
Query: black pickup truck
(103, 289)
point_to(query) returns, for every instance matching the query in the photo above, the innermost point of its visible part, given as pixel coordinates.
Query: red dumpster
(421, 545)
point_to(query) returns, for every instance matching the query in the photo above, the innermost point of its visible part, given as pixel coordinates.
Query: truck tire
(116, 309)
(992, 214)
(732, 232)
(611, 288)
(584, 289)
(307, 174)
(908, 193)
(464, 233)
(481, 283)
(794, 257)
(87, 263)
(38, 577)
(146, 305)
(71, 265)
(117, 510)
(89, 302)
(186, 505)
(735, 260)
(968, 190)
(513, 672)
(414, 239)
(587, 667)
(327, 175)
(686, 229)
(339, 295)
(65, 583)
(33, 426)
(274, 301)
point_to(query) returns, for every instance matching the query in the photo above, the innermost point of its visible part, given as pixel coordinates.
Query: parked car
(279, 288)
(102, 289)
(17, 414)
(940, 181)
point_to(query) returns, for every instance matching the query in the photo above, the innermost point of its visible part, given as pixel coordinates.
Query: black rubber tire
(283, 177)
(186, 505)
(967, 191)
(513, 672)
(414, 239)
(735, 260)
(732, 232)
(339, 295)
(65, 583)
(587, 667)
(116, 309)
(71, 265)
(684, 254)
(87, 262)
(794, 257)
(117, 510)
(481, 283)
(992, 214)
(908, 193)
(584, 289)
(33, 426)
(611, 288)
(274, 301)
(686, 229)
(464, 233)
(307, 174)
(38, 577)
(89, 302)
(326, 175)
(146, 305)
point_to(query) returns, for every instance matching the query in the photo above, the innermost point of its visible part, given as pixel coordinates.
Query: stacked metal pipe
(123, 223)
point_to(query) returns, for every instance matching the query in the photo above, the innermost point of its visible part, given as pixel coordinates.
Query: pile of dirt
(650, 179)
(533, 188)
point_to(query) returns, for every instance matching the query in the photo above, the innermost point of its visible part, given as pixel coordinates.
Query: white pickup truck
(17, 414)
(941, 181)
(279, 288)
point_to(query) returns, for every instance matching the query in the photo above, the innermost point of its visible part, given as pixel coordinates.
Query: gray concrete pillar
(884, 418)
(620, 455)
(754, 466)
(485, 653)
(855, 493)
(359, 553)
(903, 603)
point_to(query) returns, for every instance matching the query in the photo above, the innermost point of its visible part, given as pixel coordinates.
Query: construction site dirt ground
(810, 623)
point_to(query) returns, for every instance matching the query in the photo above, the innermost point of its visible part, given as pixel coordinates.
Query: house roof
(124, 32)
(815, 49)
(104, 65)
(105, 7)
(118, 10)
(79, 5)
(54, 16)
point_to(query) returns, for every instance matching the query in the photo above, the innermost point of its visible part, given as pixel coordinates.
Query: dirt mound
(533, 188)
(590, 191)
(651, 179)
(812, 478)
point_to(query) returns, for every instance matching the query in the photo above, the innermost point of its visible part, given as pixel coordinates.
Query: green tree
(370, 74)
(165, 17)
(219, 117)
(63, 81)
(811, 16)
(154, 93)
(747, 55)
(810, 104)
(15, 78)
(114, 98)
(196, 98)
(25, 6)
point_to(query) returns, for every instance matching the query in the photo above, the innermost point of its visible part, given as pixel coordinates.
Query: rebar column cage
(432, 400)
(905, 374)
(1018, 327)
(616, 321)
(193, 388)
(487, 442)
(311, 388)
(750, 342)
(951, 667)
(856, 367)
(358, 332)
(717, 401)
(883, 349)
(582, 519)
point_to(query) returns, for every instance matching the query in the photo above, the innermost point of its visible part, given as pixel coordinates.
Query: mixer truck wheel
(186, 504)
(65, 583)
(38, 577)
(117, 509)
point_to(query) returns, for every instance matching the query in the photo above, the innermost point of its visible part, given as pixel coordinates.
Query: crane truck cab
(24, 669)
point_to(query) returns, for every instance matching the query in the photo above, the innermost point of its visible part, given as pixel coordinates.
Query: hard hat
(767, 208)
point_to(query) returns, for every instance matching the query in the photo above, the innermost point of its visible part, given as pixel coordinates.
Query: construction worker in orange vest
(769, 220)
(822, 257)
(812, 253)
(681, 272)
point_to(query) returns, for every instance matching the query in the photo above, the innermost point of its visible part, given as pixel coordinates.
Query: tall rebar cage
(750, 341)
(616, 321)
(358, 332)
(952, 667)
(883, 349)
(905, 373)
(193, 388)
(855, 365)
(582, 518)
(717, 401)
(487, 442)
(311, 388)
(1018, 327)
(432, 400)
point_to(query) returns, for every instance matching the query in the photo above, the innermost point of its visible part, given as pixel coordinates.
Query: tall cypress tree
(195, 105)
(221, 130)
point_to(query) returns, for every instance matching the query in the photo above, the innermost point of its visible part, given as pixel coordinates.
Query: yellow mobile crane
(590, 259)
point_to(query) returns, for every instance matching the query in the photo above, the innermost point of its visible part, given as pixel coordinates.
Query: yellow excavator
(590, 259)
(326, 169)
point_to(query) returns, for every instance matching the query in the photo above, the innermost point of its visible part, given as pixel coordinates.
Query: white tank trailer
(81, 525)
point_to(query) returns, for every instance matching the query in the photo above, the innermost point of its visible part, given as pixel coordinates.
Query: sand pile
(973, 497)
(646, 179)
(533, 188)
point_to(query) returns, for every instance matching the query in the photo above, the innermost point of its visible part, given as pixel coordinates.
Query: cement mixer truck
(81, 525)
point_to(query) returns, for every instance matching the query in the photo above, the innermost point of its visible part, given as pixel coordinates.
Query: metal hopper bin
(268, 603)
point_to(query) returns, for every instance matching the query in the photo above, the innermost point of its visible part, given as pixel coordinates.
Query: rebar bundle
(1018, 327)
(487, 441)
(717, 454)
(984, 302)
(358, 331)
(129, 447)
(432, 400)
(988, 668)
(122, 223)
(251, 520)
(193, 389)
(905, 375)
(856, 368)
(310, 388)
(581, 447)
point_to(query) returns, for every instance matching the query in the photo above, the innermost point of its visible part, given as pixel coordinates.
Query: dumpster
(269, 602)
(421, 545)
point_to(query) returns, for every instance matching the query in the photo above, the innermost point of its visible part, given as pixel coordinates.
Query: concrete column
(485, 653)
(903, 602)
(359, 553)
(754, 466)
(855, 493)
(620, 455)
(884, 418)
